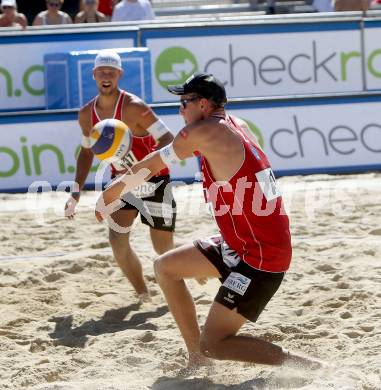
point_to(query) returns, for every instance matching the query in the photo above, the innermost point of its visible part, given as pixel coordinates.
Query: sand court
(70, 319)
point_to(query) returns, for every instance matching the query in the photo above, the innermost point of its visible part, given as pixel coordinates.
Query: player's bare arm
(84, 161)
(86, 156)
(141, 119)
(181, 148)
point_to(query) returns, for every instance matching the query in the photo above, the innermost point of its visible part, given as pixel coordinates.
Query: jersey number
(268, 184)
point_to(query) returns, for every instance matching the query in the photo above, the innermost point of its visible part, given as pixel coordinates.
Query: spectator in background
(323, 5)
(31, 8)
(375, 4)
(351, 5)
(71, 7)
(270, 6)
(53, 14)
(106, 7)
(270, 10)
(10, 16)
(129, 10)
(90, 13)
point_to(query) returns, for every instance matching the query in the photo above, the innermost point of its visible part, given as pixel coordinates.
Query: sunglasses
(90, 2)
(8, 7)
(184, 102)
(55, 4)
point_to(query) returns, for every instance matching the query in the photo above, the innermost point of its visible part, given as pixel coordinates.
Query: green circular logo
(254, 129)
(174, 66)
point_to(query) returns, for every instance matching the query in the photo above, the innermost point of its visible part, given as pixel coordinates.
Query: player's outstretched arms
(109, 200)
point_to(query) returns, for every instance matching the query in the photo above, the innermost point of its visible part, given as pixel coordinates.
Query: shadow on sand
(112, 321)
(275, 382)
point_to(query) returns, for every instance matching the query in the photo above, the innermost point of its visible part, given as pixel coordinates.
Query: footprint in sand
(7, 272)
(325, 267)
(53, 277)
(17, 337)
(74, 269)
(100, 293)
(353, 334)
(84, 305)
(101, 257)
(39, 345)
(18, 322)
(29, 281)
(100, 245)
(375, 232)
(345, 315)
(367, 328)
(334, 304)
(147, 337)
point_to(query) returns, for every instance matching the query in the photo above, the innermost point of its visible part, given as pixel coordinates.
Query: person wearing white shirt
(129, 10)
(323, 5)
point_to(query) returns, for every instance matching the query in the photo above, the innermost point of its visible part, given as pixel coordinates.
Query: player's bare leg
(162, 240)
(124, 255)
(171, 269)
(219, 340)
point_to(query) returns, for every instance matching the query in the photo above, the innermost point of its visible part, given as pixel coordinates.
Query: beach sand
(70, 320)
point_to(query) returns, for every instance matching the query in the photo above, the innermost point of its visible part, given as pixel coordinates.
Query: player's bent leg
(162, 240)
(124, 255)
(219, 339)
(171, 269)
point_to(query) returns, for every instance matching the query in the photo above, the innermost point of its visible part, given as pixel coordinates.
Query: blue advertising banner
(69, 76)
(22, 59)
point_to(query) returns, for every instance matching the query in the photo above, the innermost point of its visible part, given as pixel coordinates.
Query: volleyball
(110, 139)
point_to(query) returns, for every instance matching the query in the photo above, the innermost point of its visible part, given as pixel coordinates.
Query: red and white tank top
(249, 209)
(141, 146)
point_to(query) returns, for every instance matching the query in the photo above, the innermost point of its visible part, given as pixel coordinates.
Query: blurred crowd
(21, 13)
(345, 5)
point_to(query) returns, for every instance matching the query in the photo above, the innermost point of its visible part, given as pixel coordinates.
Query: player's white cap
(108, 57)
(9, 3)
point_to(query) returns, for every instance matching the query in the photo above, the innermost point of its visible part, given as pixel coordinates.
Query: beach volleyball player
(253, 250)
(149, 133)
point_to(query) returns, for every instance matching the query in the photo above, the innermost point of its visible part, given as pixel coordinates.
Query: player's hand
(107, 203)
(109, 200)
(70, 207)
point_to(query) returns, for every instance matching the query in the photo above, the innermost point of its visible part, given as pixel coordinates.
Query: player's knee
(158, 268)
(162, 268)
(116, 238)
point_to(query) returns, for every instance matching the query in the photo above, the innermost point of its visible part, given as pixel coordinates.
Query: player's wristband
(168, 155)
(86, 142)
(158, 129)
